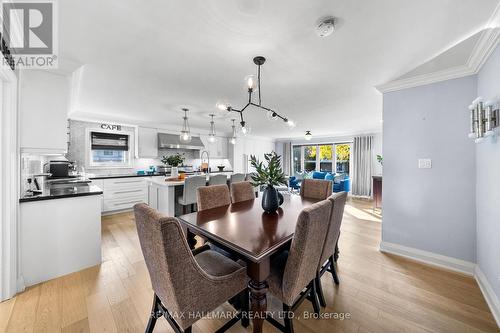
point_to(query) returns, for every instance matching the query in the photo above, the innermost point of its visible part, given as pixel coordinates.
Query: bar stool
(217, 180)
(191, 184)
(236, 178)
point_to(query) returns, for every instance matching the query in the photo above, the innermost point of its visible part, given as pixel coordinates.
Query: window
(322, 157)
(297, 158)
(109, 150)
(325, 158)
(309, 158)
(343, 158)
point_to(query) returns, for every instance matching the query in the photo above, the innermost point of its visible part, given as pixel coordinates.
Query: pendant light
(308, 136)
(185, 136)
(253, 87)
(232, 140)
(211, 135)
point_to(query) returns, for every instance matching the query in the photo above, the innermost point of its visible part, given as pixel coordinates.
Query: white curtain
(362, 160)
(286, 160)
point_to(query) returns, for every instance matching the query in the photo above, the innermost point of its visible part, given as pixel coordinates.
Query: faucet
(202, 161)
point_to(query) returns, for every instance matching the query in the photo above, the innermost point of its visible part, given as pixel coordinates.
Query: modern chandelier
(253, 84)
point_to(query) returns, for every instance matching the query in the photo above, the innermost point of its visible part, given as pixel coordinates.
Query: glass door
(310, 158)
(342, 158)
(325, 158)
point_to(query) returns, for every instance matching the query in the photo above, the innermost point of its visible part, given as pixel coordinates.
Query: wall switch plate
(424, 163)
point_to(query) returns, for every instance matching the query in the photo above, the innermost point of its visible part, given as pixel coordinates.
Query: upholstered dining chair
(316, 188)
(242, 191)
(213, 196)
(236, 178)
(217, 180)
(327, 261)
(188, 197)
(248, 178)
(293, 273)
(185, 284)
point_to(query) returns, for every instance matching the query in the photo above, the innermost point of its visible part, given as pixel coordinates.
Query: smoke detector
(325, 26)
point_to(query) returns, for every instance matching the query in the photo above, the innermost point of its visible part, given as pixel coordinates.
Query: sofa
(341, 183)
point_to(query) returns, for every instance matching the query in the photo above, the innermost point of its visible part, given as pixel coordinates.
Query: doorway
(9, 183)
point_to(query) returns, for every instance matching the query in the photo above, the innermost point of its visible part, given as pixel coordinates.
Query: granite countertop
(147, 175)
(63, 192)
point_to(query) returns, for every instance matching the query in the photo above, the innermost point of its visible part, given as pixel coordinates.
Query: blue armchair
(342, 186)
(294, 183)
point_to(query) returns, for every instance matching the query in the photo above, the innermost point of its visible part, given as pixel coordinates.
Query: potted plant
(270, 175)
(174, 161)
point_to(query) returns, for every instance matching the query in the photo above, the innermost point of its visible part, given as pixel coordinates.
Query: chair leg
(333, 271)
(314, 297)
(319, 289)
(245, 308)
(184, 209)
(154, 315)
(336, 253)
(288, 318)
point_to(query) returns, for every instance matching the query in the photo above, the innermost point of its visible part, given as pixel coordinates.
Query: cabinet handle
(128, 181)
(127, 202)
(129, 191)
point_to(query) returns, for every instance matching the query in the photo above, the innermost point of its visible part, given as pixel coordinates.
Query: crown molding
(487, 42)
(485, 45)
(424, 79)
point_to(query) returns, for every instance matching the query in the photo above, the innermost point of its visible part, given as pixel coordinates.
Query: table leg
(191, 240)
(258, 273)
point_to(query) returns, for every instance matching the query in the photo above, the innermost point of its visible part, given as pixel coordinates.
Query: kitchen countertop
(146, 175)
(66, 192)
(173, 182)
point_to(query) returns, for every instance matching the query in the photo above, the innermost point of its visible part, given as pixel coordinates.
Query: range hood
(172, 141)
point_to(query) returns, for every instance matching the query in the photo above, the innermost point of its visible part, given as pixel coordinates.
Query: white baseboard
(429, 258)
(449, 263)
(488, 293)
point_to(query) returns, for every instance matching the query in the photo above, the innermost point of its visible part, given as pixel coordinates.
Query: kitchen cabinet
(147, 142)
(217, 149)
(43, 105)
(122, 193)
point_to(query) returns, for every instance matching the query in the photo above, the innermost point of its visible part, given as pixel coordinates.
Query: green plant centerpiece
(173, 160)
(269, 175)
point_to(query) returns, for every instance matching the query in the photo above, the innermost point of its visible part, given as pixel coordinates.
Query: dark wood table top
(244, 227)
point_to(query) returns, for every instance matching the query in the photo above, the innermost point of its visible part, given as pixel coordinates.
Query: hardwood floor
(380, 292)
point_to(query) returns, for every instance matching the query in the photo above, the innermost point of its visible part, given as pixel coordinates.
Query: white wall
(430, 209)
(488, 182)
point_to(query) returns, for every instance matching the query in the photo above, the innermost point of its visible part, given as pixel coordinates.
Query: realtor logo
(29, 30)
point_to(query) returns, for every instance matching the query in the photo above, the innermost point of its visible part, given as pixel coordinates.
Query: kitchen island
(163, 193)
(60, 232)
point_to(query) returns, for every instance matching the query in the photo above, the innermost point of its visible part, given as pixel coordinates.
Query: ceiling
(145, 60)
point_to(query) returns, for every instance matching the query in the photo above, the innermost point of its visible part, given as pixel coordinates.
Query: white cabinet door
(44, 102)
(148, 142)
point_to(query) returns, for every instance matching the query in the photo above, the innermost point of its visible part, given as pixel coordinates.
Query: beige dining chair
(217, 180)
(242, 191)
(248, 178)
(327, 263)
(188, 197)
(316, 188)
(293, 272)
(213, 196)
(186, 286)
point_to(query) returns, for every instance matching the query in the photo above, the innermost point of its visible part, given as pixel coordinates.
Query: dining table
(245, 230)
